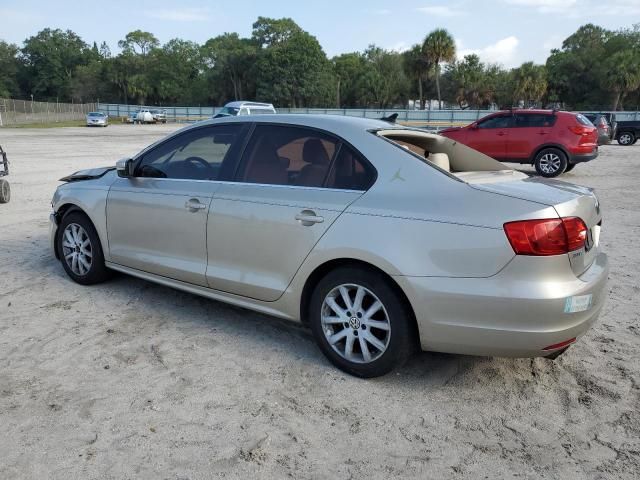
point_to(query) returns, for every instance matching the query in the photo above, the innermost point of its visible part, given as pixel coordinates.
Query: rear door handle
(193, 205)
(308, 218)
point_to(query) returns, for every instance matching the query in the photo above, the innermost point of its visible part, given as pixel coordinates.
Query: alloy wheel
(76, 249)
(355, 323)
(550, 163)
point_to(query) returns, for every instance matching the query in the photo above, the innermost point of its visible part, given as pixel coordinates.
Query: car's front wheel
(80, 250)
(550, 162)
(360, 322)
(626, 138)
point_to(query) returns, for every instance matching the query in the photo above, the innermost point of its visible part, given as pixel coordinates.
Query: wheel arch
(64, 210)
(323, 269)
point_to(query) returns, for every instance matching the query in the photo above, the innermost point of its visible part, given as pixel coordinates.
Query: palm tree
(622, 75)
(439, 47)
(530, 82)
(416, 66)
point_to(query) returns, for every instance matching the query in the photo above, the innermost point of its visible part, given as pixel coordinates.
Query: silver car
(97, 119)
(381, 238)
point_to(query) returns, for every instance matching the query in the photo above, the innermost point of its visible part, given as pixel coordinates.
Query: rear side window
(500, 121)
(524, 120)
(350, 171)
(279, 155)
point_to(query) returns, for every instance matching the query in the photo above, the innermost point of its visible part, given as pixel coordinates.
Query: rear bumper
(516, 313)
(583, 157)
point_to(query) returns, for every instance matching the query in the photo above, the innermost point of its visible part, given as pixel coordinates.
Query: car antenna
(391, 118)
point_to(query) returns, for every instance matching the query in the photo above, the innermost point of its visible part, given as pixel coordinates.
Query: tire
(626, 138)
(550, 162)
(5, 191)
(74, 229)
(393, 333)
(570, 167)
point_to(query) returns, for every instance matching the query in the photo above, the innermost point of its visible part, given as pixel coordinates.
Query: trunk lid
(568, 200)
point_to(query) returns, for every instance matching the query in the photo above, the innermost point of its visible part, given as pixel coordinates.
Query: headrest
(314, 152)
(441, 160)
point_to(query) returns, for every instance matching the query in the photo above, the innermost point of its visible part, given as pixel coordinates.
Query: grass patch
(66, 123)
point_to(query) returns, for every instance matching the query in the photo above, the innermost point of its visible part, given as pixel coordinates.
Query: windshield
(96, 114)
(233, 111)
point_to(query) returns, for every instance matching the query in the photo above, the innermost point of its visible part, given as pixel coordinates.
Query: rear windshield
(583, 120)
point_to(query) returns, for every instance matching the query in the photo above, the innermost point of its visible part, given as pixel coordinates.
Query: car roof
(244, 103)
(320, 121)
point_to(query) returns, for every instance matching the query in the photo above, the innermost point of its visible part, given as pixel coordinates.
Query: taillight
(581, 129)
(551, 236)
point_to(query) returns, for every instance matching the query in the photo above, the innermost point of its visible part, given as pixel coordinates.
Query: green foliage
(283, 64)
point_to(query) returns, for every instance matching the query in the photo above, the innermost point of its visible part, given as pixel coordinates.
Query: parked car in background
(628, 132)
(97, 119)
(600, 121)
(132, 118)
(144, 115)
(382, 238)
(233, 109)
(159, 116)
(553, 141)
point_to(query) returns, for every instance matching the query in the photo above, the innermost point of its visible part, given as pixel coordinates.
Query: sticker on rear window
(579, 303)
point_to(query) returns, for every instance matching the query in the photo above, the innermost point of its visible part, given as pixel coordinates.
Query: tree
(292, 70)
(49, 60)
(230, 61)
(622, 74)
(349, 70)
(173, 70)
(530, 83)
(470, 83)
(416, 66)
(144, 41)
(439, 47)
(8, 69)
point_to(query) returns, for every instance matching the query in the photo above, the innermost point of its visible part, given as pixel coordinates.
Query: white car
(233, 109)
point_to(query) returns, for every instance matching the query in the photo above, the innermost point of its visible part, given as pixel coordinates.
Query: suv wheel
(550, 162)
(626, 138)
(360, 323)
(570, 167)
(80, 250)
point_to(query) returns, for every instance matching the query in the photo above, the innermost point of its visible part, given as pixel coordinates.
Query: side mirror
(474, 126)
(124, 168)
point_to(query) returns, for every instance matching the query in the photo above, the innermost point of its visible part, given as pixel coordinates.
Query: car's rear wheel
(626, 138)
(360, 322)
(5, 191)
(80, 250)
(550, 162)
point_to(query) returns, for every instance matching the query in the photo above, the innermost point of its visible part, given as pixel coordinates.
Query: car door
(529, 130)
(490, 135)
(290, 187)
(157, 219)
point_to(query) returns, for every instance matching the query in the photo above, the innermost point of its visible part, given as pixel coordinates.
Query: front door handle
(193, 205)
(308, 218)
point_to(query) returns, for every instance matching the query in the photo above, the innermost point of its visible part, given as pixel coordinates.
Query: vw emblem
(354, 322)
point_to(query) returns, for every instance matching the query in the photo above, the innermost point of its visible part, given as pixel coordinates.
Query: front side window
(279, 155)
(197, 155)
(500, 121)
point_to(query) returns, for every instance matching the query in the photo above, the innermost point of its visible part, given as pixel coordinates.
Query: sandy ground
(133, 380)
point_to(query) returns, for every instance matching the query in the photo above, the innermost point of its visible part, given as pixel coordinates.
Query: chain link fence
(24, 112)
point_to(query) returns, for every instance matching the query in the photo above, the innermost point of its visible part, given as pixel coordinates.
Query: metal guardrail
(427, 118)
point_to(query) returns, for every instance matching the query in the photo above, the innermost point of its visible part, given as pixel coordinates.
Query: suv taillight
(581, 129)
(551, 236)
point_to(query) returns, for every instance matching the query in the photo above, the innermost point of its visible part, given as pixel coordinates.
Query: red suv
(553, 141)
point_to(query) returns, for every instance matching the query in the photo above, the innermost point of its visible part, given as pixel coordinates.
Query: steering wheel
(198, 161)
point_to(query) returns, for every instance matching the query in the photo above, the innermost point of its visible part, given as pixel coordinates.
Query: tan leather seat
(266, 167)
(317, 161)
(441, 160)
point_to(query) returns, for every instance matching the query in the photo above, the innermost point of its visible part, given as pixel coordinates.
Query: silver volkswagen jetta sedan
(381, 238)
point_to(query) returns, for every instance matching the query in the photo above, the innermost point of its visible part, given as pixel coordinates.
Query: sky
(507, 32)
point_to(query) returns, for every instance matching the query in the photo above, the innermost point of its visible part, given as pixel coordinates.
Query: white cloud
(546, 6)
(503, 52)
(440, 11)
(180, 14)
